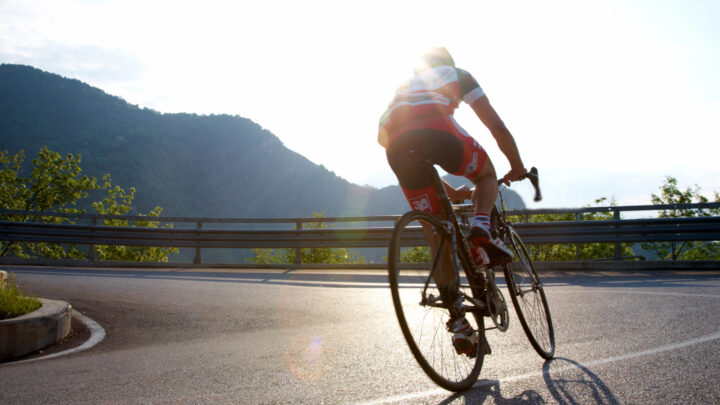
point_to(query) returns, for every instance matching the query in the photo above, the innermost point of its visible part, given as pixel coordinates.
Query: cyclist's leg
(484, 196)
(486, 188)
(416, 182)
(444, 275)
(478, 168)
(474, 164)
(447, 150)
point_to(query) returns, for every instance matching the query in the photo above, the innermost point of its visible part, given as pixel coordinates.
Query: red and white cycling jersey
(428, 100)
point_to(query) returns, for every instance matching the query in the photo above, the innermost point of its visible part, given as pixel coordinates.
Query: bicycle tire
(528, 297)
(423, 326)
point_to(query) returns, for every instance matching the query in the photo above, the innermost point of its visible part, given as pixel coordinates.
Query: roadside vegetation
(308, 255)
(577, 251)
(670, 193)
(689, 250)
(56, 184)
(13, 302)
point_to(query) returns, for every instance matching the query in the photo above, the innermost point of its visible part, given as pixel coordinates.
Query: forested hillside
(191, 165)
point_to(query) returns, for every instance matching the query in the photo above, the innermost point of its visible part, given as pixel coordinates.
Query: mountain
(191, 165)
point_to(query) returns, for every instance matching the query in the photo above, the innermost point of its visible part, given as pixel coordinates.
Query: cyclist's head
(437, 56)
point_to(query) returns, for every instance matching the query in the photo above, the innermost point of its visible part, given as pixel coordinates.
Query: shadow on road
(485, 390)
(333, 279)
(575, 383)
(568, 383)
(374, 278)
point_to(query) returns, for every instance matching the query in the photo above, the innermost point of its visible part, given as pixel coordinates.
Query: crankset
(497, 307)
(495, 302)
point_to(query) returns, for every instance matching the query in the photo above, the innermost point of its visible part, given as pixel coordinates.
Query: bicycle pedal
(485, 347)
(464, 346)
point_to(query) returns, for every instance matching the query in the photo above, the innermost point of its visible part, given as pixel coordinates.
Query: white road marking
(673, 346)
(652, 293)
(97, 334)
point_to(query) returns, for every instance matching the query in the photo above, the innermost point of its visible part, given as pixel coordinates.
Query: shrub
(14, 302)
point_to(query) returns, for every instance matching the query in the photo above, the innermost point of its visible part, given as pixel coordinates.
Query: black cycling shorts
(457, 153)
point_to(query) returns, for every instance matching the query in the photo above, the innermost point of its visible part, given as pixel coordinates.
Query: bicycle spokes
(418, 272)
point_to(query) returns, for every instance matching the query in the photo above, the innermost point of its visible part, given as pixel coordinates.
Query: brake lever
(534, 178)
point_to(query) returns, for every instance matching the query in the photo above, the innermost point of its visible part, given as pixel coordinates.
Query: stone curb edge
(34, 331)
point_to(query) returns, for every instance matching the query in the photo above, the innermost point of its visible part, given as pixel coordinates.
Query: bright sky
(605, 98)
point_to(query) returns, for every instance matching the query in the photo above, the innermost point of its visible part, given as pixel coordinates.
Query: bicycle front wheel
(528, 297)
(414, 275)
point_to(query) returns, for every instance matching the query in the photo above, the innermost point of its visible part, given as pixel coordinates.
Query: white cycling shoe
(464, 339)
(495, 248)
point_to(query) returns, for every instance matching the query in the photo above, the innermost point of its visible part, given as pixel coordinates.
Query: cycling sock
(481, 220)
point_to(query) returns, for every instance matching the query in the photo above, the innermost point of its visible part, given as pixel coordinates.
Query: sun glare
(319, 74)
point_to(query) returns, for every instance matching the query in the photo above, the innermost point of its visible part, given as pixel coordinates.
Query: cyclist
(420, 119)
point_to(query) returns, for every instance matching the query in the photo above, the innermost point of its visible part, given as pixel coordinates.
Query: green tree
(11, 184)
(582, 251)
(687, 250)
(308, 255)
(270, 256)
(119, 202)
(416, 254)
(56, 184)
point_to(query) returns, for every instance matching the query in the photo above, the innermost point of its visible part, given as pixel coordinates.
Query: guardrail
(91, 233)
(617, 230)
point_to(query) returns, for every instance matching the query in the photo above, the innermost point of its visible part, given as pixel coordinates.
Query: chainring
(498, 309)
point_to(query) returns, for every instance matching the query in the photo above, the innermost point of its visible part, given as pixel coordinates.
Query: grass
(14, 302)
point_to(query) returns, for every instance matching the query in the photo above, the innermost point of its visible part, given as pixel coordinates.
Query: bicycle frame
(449, 364)
(453, 220)
(482, 280)
(477, 281)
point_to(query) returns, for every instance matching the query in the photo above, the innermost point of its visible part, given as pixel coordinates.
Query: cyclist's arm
(502, 135)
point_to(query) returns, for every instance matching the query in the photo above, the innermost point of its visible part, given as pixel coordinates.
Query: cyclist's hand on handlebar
(514, 174)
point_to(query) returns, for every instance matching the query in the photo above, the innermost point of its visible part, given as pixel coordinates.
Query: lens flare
(308, 359)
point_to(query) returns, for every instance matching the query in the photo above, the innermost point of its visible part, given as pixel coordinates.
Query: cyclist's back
(428, 100)
(420, 120)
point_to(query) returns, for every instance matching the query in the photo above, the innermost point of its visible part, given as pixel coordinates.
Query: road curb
(34, 331)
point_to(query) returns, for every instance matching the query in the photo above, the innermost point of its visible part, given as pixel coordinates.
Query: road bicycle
(414, 258)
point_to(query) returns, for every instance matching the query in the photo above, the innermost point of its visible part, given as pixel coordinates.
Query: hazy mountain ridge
(191, 165)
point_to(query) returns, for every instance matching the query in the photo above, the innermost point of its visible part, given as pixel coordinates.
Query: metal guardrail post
(298, 251)
(618, 246)
(91, 248)
(198, 251)
(577, 245)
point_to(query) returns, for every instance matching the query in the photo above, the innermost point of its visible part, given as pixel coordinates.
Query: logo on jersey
(421, 203)
(472, 165)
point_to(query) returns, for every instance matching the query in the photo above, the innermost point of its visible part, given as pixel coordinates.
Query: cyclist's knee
(487, 171)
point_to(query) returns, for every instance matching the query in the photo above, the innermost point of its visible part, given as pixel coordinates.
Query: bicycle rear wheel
(422, 315)
(528, 297)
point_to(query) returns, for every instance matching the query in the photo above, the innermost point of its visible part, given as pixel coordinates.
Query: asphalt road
(190, 336)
